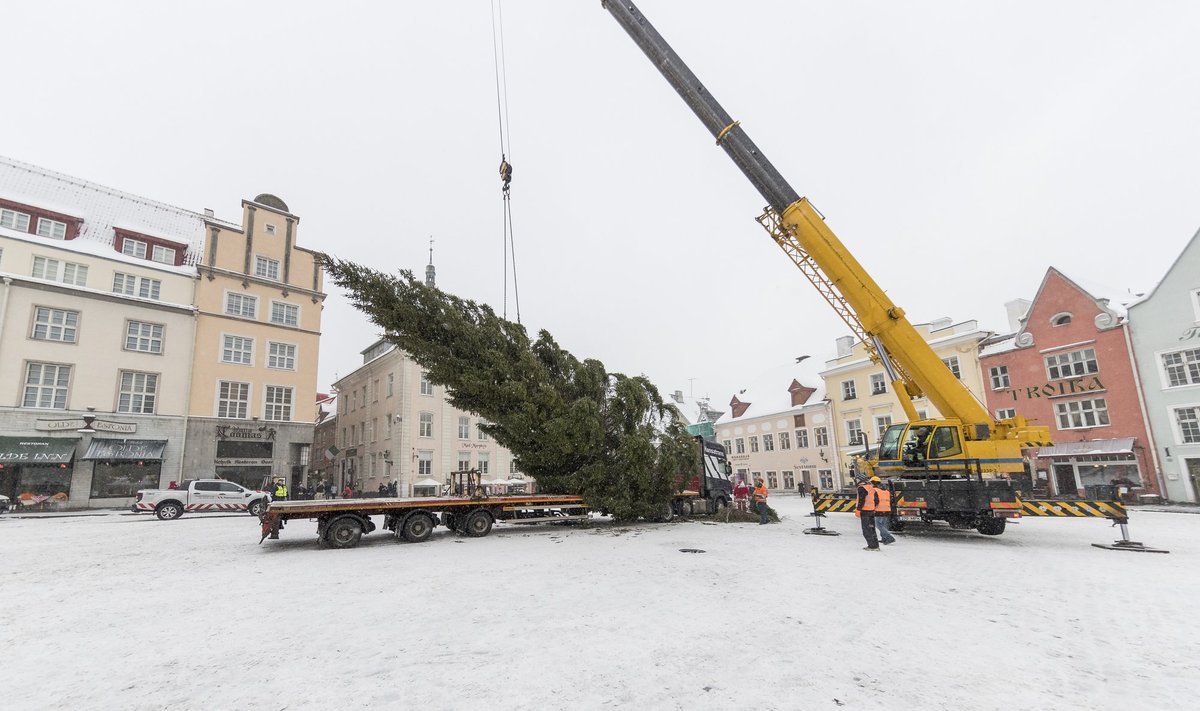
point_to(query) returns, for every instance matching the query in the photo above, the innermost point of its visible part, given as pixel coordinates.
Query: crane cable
(509, 247)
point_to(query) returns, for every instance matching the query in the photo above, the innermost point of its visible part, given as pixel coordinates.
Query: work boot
(869, 548)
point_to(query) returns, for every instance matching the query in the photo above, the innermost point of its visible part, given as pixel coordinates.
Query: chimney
(845, 344)
(1016, 309)
(208, 212)
(677, 396)
(940, 323)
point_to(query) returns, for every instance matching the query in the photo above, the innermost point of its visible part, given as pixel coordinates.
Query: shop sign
(254, 433)
(1193, 332)
(1074, 386)
(79, 423)
(242, 462)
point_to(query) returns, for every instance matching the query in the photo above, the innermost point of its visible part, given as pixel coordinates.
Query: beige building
(779, 430)
(863, 404)
(259, 298)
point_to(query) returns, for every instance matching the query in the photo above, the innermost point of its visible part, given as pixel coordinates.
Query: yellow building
(862, 403)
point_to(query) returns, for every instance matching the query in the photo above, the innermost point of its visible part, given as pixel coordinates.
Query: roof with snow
(102, 209)
(769, 392)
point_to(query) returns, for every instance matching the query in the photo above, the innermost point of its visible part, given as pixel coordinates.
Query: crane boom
(797, 227)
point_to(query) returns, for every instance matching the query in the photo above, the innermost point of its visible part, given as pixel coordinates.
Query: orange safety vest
(761, 493)
(883, 500)
(868, 499)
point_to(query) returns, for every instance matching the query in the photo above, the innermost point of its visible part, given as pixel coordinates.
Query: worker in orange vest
(760, 501)
(883, 511)
(866, 513)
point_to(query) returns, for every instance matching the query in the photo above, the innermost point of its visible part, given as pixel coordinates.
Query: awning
(37, 450)
(1122, 445)
(427, 482)
(126, 449)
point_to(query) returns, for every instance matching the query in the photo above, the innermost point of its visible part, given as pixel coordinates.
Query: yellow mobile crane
(940, 469)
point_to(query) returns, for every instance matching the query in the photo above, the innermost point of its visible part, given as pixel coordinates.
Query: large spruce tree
(571, 424)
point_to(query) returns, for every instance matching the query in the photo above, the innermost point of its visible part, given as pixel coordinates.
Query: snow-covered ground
(120, 611)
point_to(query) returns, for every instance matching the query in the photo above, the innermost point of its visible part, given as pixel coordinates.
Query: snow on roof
(694, 409)
(102, 208)
(1116, 299)
(1000, 344)
(769, 395)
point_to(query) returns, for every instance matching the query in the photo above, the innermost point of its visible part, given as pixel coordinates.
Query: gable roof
(770, 393)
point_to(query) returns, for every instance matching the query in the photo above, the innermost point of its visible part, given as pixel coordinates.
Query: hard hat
(875, 480)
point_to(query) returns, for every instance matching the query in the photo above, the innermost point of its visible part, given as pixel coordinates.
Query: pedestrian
(383, 490)
(280, 492)
(815, 491)
(865, 512)
(883, 511)
(803, 490)
(394, 489)
(330, 491)
(741, 492)
(760, 501)
(347, 493)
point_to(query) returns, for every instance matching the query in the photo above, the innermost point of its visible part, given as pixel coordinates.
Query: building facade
(1070, 367)
(778, 430)
(101, 366)
(862, 402)
(1165, 328)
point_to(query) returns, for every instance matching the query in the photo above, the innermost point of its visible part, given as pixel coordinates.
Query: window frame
(425, 425)
(137, 246)
(289, 360)
(849, 390)
(1055, 362)
(1063, 411)
(801, 438)
(952, 362)
(284, 407)
(878, 384)
(233, 344)
(67, 332)
(1182, 431)
(999, 377)
(223, 402)
(852, 426)
(243, 299)
(1190, 369)
(285, 309)
(266, 267)
(60, 393)
(146, 392)
(14, 219)
(158, 337)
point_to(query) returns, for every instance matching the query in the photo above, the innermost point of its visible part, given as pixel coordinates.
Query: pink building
(1070, 366)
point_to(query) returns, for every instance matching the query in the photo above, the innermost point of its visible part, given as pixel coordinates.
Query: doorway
(1064, 480)
(1193, 472)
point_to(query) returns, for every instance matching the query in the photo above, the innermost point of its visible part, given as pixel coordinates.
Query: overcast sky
(959, 149)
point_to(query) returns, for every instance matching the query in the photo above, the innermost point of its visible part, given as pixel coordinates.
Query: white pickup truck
(201, 495)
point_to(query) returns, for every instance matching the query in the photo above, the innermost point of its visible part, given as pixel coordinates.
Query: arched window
(1060, 319)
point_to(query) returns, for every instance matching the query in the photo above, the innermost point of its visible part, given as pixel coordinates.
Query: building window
(1079, 414)
(772, 480)
(768, 443)
(279, 403)
(483, 436)
(848, 390)
(55, 325)
(999, 377)
(391, 383)
(1060, 319)
(741, 445)
(46, 385)
(284, 313)
(237, 349)
(133, 248)
(354, 434)
(233, 400)
(1072, 364)
(51, 228)
(426, 424)
(54, 270)
(426, 385)
(1006, 414)
(882, 422)
(754, 444)
(242, 305)
(141, 287)
(789, 480)
(281, 355)
(369, 428)
(826, 478)
(801, 439)
(728, 445)
(266, 268)
(375, 390)
(1182, 367)
(822, 436)
(464, 461)
(14, 220)
(854, 433)
(143, 337)
(952, 364)
(138, 392)
(163, 255)
(464, 427)
(512, 470)
(785, 440)
(1188, 419)
(878, 384)
(425, 463)
(484, 461)
(269, 229)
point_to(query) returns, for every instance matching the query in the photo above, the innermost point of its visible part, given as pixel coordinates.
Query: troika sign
(1074, 386)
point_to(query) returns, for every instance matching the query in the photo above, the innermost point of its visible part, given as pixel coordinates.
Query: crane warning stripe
(835, 504)
(1077, 509)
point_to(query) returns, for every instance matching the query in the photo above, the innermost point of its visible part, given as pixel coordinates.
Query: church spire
(429, 275)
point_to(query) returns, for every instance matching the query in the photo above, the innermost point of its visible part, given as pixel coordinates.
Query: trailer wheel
(685, 508)
(478, 524)
(258, 508)
(991, 526)
(418, 528)
(168, 511)
(667, 515)
(344, 532)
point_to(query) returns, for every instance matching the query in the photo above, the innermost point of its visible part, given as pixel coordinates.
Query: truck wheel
(685, 508)
(991, 526)
(668, 513)
(345, 532)
(168, 511)
(478, 524)
(258, 508)
(418, 528)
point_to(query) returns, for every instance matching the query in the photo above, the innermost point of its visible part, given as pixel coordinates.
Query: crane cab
(941, 446)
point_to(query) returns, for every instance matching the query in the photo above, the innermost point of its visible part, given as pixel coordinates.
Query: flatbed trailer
(341, 523)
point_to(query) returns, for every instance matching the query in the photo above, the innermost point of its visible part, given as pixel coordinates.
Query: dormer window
(157, 249)
(163, 255)
(1060, 319)
(51, 228)
(133, 247)
(14, 220)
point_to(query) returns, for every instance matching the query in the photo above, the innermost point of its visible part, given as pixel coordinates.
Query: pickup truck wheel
(478, 524)
(345, 532)
(991, 526)
(168, 511)
(258, 508)
(418, 528)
